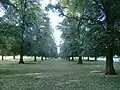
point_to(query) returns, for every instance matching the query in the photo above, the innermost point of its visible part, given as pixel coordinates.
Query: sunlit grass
(57, 75)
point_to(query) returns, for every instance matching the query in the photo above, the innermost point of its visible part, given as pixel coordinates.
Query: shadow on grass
(30, 63)
(8, 72)
(25, 63)
(91, 64)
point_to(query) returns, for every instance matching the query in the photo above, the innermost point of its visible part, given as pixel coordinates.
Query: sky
(55, 19)
(2, 12)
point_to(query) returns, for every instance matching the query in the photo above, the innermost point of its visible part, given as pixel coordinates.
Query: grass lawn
(57, 75)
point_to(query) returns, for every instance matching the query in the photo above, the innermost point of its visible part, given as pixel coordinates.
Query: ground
(57, 74)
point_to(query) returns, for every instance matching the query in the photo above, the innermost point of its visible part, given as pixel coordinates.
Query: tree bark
(35, 59)
(95, 58)
(68, 58)
(42, 58)
(72, 58)
(2, 57)
(23, 16)
(109, 62)
(21, 54)
(88, 59)
(13, 56)
(80, 60)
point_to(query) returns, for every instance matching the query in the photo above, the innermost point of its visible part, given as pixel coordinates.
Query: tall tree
(103, 12)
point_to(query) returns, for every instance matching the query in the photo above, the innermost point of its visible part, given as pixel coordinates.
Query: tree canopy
(97, 27)
(25, 29)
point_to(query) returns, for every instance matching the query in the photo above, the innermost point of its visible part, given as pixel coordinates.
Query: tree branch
(82, 18)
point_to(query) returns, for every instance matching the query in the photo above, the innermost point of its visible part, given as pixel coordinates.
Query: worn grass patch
(57, 75)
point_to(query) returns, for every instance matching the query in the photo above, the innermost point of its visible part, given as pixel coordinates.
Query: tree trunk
(42, 58)
(88, 59)
(13, 56)
(35, 59)
(23, 16)
(21, 54)
(72, 58)
(109, 62)
(2, 57)
(80, 60)
(68, 58)
(95, 58)
(107, 5)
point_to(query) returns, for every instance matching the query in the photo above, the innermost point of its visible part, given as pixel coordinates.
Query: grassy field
(57, 74)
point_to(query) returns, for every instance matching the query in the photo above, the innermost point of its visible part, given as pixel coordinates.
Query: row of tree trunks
(88, 58)
(35, 58)
(3, 57)
(67, 58)
(79, 59)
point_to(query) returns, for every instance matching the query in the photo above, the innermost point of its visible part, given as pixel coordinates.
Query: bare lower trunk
(95, 58)
(42, 58)
(72, 58)
(109, 62)
(21, 54)
(35, 59)
(2, 57)
(88, 59)
(80, 60)
(13, 56)
(69, 58)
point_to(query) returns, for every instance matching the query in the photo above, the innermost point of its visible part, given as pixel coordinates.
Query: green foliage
(25, 22)
(93, 38)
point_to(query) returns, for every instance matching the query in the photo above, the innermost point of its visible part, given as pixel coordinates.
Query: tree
(100, 12)
(31, 28)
